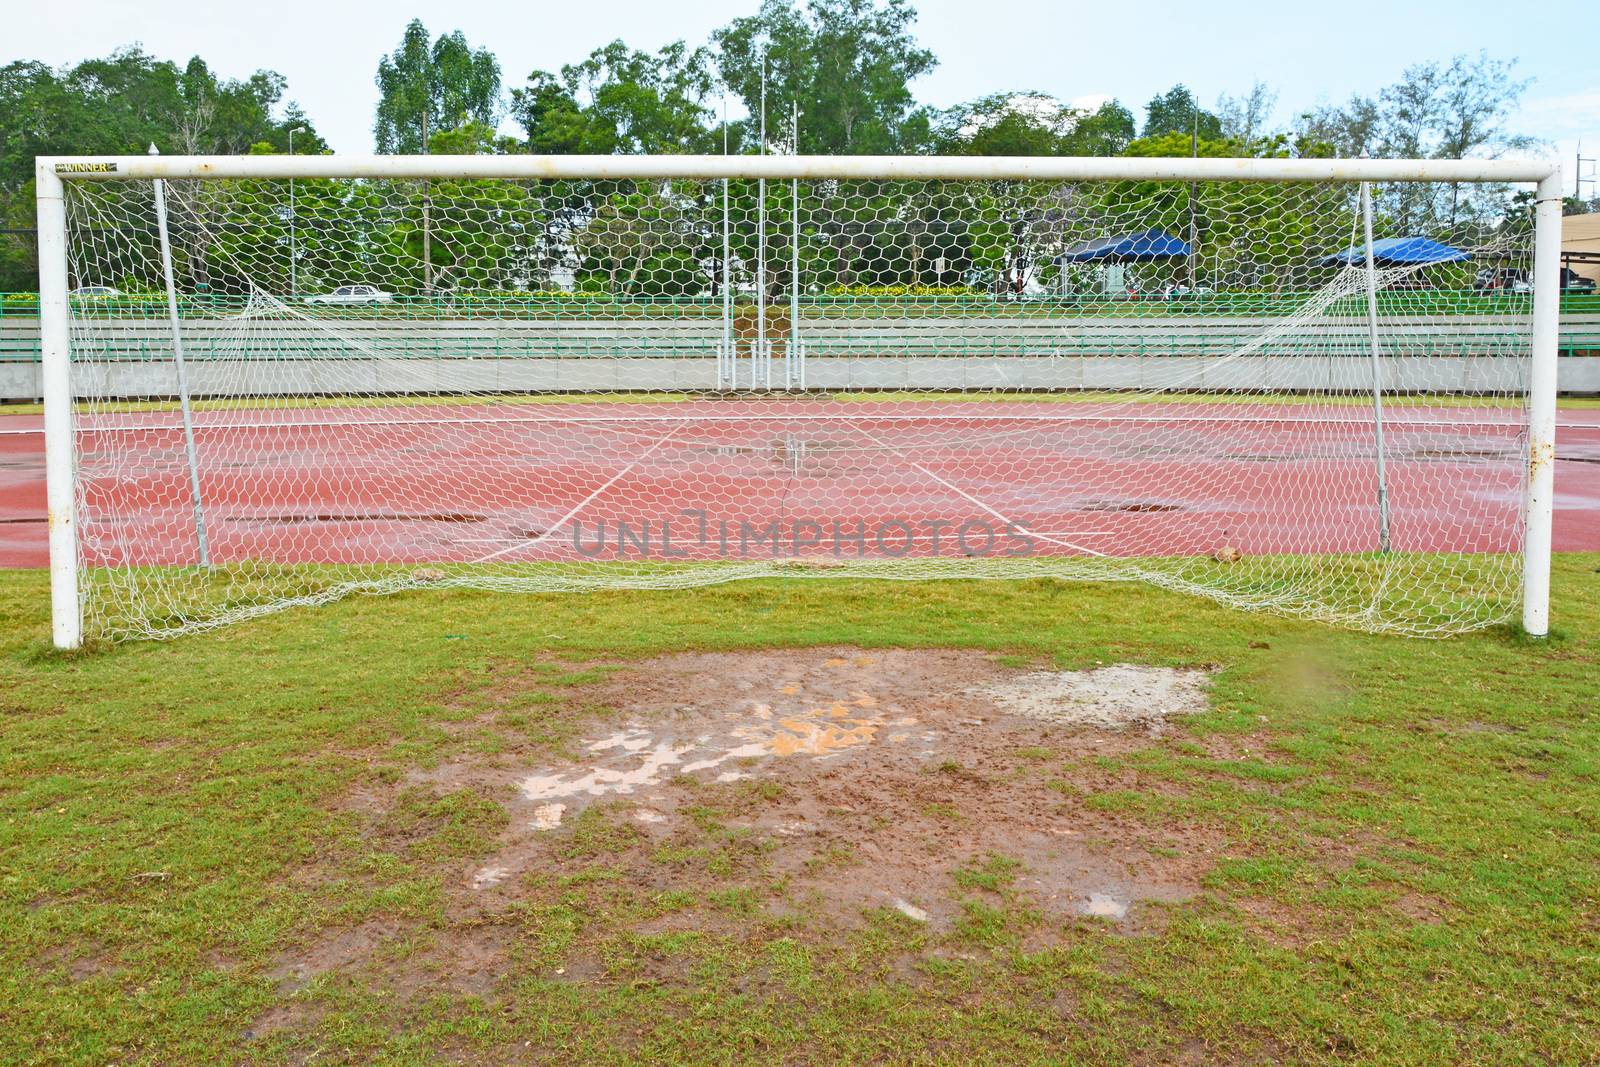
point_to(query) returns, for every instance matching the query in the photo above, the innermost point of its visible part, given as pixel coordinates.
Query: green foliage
(122, 104)
(847, 63)
(1177, 111)
(1032, 124)
(619, 101)
(472, 138)
(1439, 110)
(424, 88)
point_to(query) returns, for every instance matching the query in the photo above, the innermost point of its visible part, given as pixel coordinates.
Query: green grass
(1409, 869)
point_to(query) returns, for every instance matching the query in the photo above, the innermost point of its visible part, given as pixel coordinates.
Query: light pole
(293, 290)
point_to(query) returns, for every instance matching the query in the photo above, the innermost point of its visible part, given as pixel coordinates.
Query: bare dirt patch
(863, 779)
(730, 795)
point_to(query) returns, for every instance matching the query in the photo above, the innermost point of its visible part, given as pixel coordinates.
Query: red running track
(511, 482)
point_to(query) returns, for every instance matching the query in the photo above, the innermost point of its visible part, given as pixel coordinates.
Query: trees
(847, 63)
(1177, 111)
(647, 240)
(1032, 124)
(425, 88)
(1435, 110)
(1105, 131)
(121, 104)
(1349, 130)
(1243, 119)
(622, 101)
(1006, 124)
(129, 100)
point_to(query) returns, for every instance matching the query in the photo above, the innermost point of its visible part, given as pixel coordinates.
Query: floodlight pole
(761, 356)
(427, 220)
(726, 366)
(182, 373)
(1194, 230)
(1377, 369)
(293, 283)
(794, 375)
(1542, 406)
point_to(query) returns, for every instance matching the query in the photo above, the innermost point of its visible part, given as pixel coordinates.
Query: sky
(1307, 53)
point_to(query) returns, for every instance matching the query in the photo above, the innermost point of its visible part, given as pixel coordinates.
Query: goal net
(292, 389)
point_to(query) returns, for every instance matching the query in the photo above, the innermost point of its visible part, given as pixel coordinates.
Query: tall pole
(427, 229)
(1377, 369)
(1194, 231)
(795, 375)
(66, 613)
(293, 256)
(182, 373)
(1542, 406)
(764, 355)
(727, 368)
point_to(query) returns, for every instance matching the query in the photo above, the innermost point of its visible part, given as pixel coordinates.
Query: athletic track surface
(452, 482)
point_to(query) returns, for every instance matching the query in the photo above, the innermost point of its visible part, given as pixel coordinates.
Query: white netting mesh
(559, 385)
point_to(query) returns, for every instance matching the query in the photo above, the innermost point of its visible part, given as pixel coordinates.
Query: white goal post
(866, 314)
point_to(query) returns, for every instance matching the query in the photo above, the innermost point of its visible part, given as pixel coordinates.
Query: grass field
(254, 845)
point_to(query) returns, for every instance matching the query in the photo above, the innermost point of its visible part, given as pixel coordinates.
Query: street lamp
(293, 288)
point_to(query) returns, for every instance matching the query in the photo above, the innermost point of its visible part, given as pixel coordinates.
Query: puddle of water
(489, 876)
(1103, 906)
(638, 756)
(626, 740)
(1121, 695)
(910, 911)
(547, 816)
(602, 780)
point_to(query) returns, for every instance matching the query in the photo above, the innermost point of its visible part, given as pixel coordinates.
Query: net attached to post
(586, 385)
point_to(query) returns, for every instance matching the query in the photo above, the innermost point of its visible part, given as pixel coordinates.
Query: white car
(95, 292)
(353, 294)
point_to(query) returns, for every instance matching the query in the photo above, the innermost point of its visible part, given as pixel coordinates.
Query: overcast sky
(1307, 52)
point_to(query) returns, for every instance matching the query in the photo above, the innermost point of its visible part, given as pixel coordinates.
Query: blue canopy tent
(1400, 252)
(1126, 248)
(1111, 253)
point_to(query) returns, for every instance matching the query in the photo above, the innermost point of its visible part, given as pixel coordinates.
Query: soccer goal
(1318, 388)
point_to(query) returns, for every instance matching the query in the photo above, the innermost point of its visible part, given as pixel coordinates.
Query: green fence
(1580, 329)
(606, 306)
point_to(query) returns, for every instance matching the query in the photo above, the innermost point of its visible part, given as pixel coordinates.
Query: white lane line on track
(534, 542)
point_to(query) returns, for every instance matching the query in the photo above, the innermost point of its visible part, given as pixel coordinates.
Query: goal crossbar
(886, 168)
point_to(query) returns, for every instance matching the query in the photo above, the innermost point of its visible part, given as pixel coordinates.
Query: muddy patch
(859, 780)
(725, 795)
(731, 717)
(732, 738)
